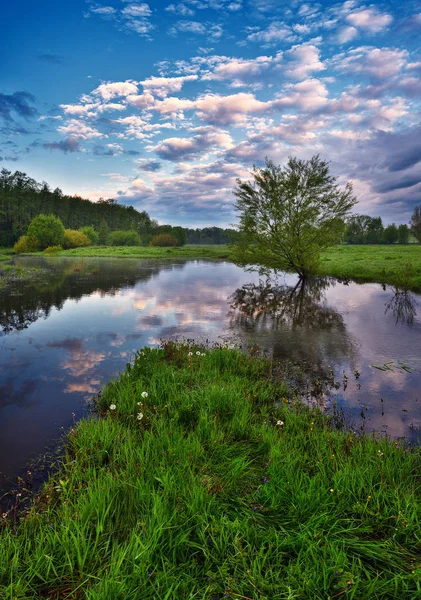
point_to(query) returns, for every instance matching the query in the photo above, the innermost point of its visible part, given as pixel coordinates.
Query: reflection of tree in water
(402, 306)
(28, 299)
(293, 321)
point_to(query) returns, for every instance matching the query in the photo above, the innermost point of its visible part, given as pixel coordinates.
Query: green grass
(193, 251)
(382, 264)
(208, 497)
(366, 263)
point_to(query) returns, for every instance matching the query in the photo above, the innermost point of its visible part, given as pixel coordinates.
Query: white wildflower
(203, 354)
(280, 423)
(379, 452)
(198, 353)
(140, 403)
(190, 354)
(112, 407)
(144, 394)
(140, 416)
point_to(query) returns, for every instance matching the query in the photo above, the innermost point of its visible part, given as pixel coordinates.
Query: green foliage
(48, 230)
(210, 235)
(22, 199)
(363, 229)
(53, 249)
(176, 232)
(91, 233)
(391, 234)
(415, 223)
(25, 244)
(289, 214)
(103, 232)
(226, 486)
(403, 234)
(164, 240)
(75, 239)
(123, 238)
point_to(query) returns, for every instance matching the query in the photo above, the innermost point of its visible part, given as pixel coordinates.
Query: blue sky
(164, 104)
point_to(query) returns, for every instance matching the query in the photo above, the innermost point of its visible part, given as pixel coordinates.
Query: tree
(289, 214)
(91, 233)
(390, 234)
(47, 230)
(415, 223)
(403, 234)
(375, 231)
(103, 232)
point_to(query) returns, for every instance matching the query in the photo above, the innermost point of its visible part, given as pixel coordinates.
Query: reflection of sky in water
(49, 369)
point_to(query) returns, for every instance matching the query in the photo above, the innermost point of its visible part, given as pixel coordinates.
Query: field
(204, 477)
(191, 251)
(392, 264)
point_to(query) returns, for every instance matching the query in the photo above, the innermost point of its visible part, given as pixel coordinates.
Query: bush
(163, 240)
(75, 239)
(123, 238)
(91, 233)
(48, 230)
(25, 244)
(53, 249)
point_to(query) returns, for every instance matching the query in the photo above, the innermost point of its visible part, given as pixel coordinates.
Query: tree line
(22, 199)
(363, 229)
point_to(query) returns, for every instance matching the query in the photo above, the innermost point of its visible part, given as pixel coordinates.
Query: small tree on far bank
(47, 230)
(390, 234)
(415, 223)
(289, 214)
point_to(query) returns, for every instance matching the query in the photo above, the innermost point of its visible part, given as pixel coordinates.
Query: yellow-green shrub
(53, 249)
(75, 239)
(163, 240)
(25, 244)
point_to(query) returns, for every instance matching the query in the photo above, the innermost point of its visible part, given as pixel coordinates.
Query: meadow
(202, 475)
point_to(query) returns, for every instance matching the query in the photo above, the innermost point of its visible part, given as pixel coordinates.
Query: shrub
(48, 230)
(25, 244)
(53, 249)
(75, 239)
(163, 240)
(123, 238)
(92, 234)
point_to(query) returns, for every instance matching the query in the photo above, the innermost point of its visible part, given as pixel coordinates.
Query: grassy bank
(217, 484)
(193, 251)
(382, 264)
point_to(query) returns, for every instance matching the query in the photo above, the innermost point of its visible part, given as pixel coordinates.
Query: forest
(22, 198)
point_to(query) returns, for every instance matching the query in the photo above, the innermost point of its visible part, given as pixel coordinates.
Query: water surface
(75, 324)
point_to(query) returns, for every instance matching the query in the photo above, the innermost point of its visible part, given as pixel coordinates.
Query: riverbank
(394, 265)
(204, 477)
(398, 265)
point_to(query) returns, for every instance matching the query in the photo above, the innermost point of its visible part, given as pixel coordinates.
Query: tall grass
(225, 487)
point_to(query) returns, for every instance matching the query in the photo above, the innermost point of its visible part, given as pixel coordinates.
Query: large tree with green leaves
(289, 214)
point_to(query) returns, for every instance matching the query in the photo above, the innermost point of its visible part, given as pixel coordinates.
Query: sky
(163, 105)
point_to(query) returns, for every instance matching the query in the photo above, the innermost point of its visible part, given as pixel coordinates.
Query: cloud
(148, 165)
(79, 130)
(162, 86)
(70, 144)
(180, 9)
(275, 33)
(303, 60)
(238, 70)
(116, 89)
(175, 149)
(378, 63)
(137, 10)
(369, 19)
(17, 104)
(213, 31)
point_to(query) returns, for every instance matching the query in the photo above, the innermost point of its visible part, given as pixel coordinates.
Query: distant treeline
(22, 198)
(210, 235)
(363, 229)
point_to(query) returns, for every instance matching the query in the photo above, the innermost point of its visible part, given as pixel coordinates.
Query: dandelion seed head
(140, 416)
(112, 407)
(144, 394)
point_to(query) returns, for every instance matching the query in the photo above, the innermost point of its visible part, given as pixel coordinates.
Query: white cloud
(379, 63)
(303, 60)
(275, 33)
(79, 130)
(162, 86)
(116, 89)
(137, 10)
(369, 19)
